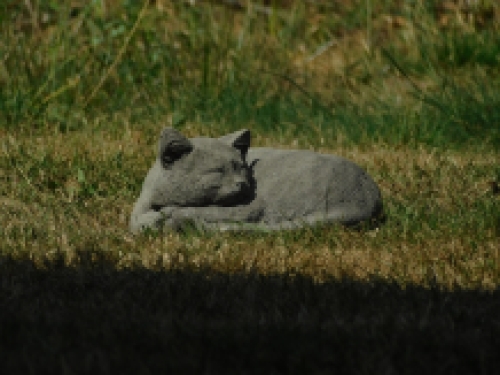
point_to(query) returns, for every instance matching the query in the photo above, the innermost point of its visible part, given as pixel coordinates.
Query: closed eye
(216, 170)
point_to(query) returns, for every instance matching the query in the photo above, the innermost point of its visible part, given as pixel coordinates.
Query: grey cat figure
(223, 184)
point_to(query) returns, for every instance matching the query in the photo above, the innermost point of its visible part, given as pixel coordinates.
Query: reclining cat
(222, 184)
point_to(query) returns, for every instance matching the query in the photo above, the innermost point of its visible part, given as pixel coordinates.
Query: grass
(408, 90)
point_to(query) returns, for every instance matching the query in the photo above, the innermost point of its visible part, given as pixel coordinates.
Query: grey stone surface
(222, 184)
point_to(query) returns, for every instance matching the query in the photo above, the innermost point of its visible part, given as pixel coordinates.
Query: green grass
(86, 87)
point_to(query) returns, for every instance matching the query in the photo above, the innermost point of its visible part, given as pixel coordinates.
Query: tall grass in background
(82, 63)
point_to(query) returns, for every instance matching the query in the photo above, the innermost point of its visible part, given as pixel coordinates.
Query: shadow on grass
(100, 320)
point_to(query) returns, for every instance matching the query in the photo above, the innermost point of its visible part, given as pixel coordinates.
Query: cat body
(222, 184)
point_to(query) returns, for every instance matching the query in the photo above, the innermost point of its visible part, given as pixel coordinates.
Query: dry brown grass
(45, 223)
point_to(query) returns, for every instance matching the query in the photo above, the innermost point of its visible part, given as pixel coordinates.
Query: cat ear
(172, 146)
(239, 140)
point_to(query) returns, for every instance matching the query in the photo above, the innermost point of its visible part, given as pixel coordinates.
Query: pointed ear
(172, 146)
(239, 140)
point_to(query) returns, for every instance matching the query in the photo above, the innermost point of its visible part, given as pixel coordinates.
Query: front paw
(151, 220)
(156, 220)
(180, 218)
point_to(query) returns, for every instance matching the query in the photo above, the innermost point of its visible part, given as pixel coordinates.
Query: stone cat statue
(223, 184)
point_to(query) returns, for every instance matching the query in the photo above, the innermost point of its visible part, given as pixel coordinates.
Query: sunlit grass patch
(429, 197)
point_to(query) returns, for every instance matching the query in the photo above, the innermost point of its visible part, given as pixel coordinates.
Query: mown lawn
(410, 90)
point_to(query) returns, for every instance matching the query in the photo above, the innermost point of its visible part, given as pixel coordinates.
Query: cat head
(201, 171)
